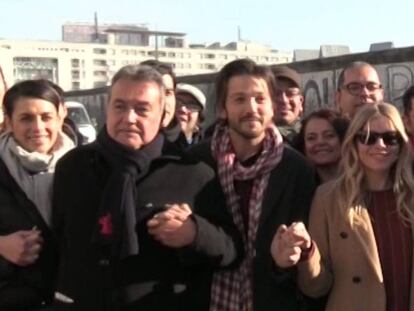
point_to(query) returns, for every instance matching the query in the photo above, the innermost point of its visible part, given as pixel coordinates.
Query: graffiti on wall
(319, 87)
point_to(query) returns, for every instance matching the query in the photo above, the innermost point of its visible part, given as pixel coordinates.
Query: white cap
(183, 88)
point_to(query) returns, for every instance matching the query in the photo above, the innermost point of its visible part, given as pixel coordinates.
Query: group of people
(271, 211)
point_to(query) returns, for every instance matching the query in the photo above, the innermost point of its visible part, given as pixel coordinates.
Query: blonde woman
(359, 246)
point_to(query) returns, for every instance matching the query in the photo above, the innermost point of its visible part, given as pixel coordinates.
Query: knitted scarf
(116, 222)
(33, 171)
(233, 290)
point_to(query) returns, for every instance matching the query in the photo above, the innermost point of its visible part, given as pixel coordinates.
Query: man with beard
(265, 184)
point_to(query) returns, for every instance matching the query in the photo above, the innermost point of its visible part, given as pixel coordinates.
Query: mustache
(250, 117)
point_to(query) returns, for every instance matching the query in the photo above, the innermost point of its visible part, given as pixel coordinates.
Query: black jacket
(287, 198)
(158, 278)
(31, 286)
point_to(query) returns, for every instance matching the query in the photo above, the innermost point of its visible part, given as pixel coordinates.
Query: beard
(248, 127)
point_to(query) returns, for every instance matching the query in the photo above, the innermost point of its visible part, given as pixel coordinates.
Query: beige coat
(346, 260)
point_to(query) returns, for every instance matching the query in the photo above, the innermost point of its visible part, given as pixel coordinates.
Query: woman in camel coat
(359, 246)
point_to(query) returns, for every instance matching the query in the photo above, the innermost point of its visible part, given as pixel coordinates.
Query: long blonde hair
(350, 189)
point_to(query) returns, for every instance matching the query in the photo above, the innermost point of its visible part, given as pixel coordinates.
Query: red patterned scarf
(233, 290)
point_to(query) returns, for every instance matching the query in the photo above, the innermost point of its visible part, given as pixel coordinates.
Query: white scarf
(33, 171)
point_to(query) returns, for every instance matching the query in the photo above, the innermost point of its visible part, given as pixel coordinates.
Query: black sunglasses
(370, 138)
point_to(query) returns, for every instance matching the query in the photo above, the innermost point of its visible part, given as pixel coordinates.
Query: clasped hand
(21, 247)
(174, 226)
(288, 244)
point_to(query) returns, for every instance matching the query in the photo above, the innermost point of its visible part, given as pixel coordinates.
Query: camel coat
(346, 262)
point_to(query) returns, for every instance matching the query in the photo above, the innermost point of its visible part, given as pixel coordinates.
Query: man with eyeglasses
(189, 114)
(289, 102)
(358, 84)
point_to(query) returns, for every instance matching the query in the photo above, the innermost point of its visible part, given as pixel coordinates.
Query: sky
(284, 25)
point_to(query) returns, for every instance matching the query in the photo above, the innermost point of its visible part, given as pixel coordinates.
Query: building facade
(95, 54)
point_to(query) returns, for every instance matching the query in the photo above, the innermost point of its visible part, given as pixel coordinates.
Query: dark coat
(287, 198)
(158, 275)
(31, 286)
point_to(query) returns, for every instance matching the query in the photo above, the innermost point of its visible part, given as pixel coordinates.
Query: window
(75, 74)
(75, 85)
(99, 84)
(99, 62)
(99, 51)
(99, 73)
(75, 62)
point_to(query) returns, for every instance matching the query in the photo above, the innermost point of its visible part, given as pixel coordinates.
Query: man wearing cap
(289, 101)
(189, 113)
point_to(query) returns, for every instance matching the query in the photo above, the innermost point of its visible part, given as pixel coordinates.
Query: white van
(78, 114)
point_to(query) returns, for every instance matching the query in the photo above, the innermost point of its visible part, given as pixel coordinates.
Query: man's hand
(288, 244)
(22, 247)
(173, 227)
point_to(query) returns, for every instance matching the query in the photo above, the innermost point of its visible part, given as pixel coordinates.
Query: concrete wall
(395, 66)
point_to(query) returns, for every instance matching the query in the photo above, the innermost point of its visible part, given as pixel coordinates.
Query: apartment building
(89, 55)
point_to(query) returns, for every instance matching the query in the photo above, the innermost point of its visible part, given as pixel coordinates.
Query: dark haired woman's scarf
(117, 216)
(233, 290)
(33, 171)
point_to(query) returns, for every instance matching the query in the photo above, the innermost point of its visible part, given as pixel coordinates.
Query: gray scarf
(33, 171)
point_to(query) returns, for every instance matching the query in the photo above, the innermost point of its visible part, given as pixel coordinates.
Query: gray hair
(139, 73)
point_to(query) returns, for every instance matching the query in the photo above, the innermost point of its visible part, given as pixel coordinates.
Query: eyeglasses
(192, 106)
(356, 88)
(371, 138)
(289, 92)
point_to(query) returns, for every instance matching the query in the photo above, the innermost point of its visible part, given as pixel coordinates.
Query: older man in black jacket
(133, 218)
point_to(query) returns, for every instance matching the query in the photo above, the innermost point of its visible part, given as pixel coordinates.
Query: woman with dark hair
(320, 140)
(359, 248)
(30, 147)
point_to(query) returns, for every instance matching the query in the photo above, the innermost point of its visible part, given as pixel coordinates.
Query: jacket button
(104, 262)
(356, 279)
(343, 235)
